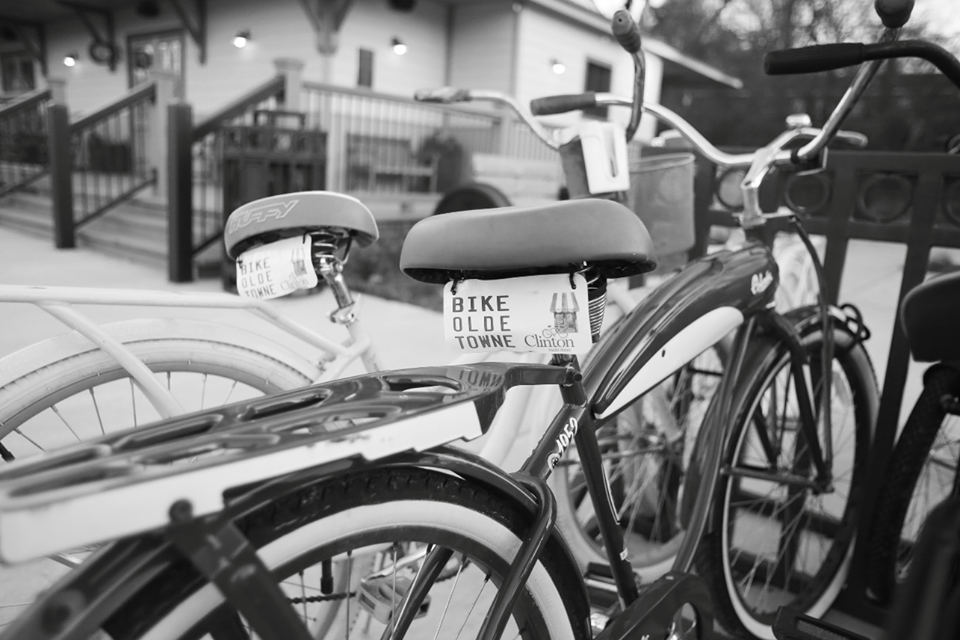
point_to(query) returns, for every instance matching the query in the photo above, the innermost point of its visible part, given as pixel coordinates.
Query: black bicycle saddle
(514, 241)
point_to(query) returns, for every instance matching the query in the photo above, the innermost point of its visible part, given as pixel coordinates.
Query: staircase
(134, 230)
(27, 211)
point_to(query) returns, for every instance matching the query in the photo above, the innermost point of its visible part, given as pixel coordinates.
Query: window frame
(599, 113)
(360, 67)
(159, 35)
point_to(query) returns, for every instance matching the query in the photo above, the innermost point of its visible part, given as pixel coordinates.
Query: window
(16, 70)
(365, 69)
(598, 79)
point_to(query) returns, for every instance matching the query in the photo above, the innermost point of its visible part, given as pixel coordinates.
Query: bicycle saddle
(516, 241)
(290, 213)
(929, 317)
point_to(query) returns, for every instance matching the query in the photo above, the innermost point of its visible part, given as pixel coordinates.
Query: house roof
(582, 12)
(684, 67)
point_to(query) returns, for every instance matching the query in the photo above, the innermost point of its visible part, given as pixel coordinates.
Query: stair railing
(195, 183)
(24, 150)
(99, 160)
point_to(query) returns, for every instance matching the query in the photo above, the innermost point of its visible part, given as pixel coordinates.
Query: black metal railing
(207, 146)
(24, 150)
(109, 151)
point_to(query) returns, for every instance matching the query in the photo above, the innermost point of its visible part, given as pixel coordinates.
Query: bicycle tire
(645, 488)
(370, 509)
(52, 373)
(765, 360)
(47, 373)
(888, 557)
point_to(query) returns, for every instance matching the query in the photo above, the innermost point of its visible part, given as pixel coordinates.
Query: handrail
(233, 109)
(366, 93)
(25, 102)
(146, 90)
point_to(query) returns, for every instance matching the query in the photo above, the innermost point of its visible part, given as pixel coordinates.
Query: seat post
(331, 270)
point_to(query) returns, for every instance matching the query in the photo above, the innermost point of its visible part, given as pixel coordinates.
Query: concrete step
(141, 248)
(27, 212)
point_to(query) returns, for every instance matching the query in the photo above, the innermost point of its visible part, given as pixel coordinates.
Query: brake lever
(443, 95)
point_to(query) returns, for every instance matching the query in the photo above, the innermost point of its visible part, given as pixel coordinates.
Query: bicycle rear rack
(127, 483)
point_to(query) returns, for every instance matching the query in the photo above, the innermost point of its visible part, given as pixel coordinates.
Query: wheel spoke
(96, 408)
(473, 605)
(133, 401)
(446, 606)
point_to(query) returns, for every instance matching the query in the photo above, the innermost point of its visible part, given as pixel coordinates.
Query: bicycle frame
(59, 302)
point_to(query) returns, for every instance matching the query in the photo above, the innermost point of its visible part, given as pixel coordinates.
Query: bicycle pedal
(791, 625)
(381, 595)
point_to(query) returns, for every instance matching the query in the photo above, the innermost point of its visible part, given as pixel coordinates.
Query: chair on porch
(378, 163)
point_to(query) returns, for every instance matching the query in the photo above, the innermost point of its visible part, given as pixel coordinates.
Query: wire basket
(661, 194)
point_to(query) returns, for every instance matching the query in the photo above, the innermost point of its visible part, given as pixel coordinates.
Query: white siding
(279, 29)
(544, 38)
(482, 42)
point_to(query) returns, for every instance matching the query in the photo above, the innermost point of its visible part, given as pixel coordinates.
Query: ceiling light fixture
(240, 40)
(71, 59)
(558, 67)
(398, 47)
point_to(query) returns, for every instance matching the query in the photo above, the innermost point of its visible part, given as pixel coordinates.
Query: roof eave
(598, 23)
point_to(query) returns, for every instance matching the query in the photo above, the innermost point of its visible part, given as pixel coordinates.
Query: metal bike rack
(905, 198)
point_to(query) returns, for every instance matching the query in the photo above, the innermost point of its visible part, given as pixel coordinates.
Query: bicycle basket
(661, 194)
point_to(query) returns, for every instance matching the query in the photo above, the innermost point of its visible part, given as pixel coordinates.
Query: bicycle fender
(449, 459)
(686, 315)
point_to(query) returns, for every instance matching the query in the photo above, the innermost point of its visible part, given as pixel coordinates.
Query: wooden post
(292, 71)
(61, 175)
(156, 138)
(179, 193)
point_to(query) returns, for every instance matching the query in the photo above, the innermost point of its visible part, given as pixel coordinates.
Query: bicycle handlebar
(826, 57)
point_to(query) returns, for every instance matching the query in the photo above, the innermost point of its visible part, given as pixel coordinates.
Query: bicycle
(383, 481)
(922, 470)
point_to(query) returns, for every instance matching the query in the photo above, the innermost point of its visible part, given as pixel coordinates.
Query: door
(156, 51)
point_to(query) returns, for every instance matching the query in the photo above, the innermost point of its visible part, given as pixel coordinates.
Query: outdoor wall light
(558, 67)
(398, 47)
(71, 59)
(240, 40)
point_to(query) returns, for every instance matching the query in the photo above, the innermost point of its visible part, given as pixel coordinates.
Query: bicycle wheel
(773, 542)
(645, 448)
(921, 473)
(65, 390)
(376, 519)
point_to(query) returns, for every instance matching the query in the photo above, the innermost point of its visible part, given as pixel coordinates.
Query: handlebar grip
(852, 138)
(626, 31)
(444, 95)
(820, 57)
(893, 13)
(562, 104)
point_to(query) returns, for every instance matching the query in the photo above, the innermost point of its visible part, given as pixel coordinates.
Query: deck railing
(379, 143)
(24, 151)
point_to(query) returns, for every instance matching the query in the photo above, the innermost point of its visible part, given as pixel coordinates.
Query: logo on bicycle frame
(759, 282)
(563, 441)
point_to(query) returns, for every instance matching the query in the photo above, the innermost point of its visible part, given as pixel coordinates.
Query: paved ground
(405, 335)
